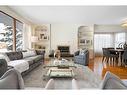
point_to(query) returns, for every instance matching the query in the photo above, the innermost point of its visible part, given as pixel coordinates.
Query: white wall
(64, 34)
(109, 28)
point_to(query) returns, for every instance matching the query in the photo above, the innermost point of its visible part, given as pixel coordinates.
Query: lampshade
(3, 45)
(34, 39)
(124, 24)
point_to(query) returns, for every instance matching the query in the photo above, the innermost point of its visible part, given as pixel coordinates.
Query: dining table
(119, 52)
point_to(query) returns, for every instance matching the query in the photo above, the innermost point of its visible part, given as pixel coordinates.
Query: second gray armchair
(83, 58)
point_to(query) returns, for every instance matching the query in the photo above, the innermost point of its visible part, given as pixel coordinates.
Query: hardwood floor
(100, 68)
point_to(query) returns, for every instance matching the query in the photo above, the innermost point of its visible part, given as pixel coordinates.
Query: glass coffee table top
(60, 64)
(60, 69)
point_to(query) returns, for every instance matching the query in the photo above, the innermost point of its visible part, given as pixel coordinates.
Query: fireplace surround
(64, 50)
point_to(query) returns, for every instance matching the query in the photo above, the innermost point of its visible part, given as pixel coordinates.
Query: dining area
(115, 56)
(110, 50)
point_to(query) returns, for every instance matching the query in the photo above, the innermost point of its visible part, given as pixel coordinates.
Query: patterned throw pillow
(3, 66)
(14, 55)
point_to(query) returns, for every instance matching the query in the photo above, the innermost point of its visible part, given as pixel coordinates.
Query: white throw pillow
(4, 56)
(29, 53)
(81, 52)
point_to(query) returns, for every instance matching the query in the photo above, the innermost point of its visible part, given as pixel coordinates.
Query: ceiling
(72, 14)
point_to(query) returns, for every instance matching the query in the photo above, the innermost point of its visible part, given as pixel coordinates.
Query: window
(107, 40)
(6, 32)
(101, 41)
(119, 38)
(19, 36)
(11, 33)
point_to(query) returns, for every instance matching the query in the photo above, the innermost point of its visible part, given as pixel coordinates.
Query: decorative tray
(60, 73)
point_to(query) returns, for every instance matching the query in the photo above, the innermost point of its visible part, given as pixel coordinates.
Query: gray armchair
(11, 79)
(112, 81)
(82, 59)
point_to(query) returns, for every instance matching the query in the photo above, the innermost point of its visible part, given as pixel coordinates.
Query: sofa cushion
(14, 55)
(29, 60)
(112, 81)
(19, 65)
(37, 58)
(33, 59)
(29, 53)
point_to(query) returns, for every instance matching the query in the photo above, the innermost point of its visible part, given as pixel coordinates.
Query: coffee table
(60, 69)
(85, 77)
(60, 64)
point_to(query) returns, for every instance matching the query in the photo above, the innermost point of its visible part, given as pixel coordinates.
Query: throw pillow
(33, 52)
(29, 53)
(82, 51)
(111, 81)
(3, 66)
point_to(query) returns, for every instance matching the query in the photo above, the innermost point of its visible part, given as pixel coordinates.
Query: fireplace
(65, 51)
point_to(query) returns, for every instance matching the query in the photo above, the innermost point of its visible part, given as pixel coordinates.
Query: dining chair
(105, 57)
(124, 58)
(110, 56)
(112, 48)
(113, 55)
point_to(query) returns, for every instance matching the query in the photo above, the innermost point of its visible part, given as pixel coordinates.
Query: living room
(33, 43)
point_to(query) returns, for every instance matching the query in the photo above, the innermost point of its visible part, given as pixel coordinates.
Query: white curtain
(104, 40)
(119, 38)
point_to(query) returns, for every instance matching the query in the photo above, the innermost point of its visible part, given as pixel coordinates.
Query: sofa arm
(40, 52)
(9, 67)
(76, 53)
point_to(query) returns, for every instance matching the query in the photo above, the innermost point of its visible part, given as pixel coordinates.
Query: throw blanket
(19, 65)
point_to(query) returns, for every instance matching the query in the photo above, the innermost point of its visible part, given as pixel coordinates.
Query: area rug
(85, 77)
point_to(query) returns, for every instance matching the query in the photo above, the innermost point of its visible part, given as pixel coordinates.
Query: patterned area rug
(84, 76)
